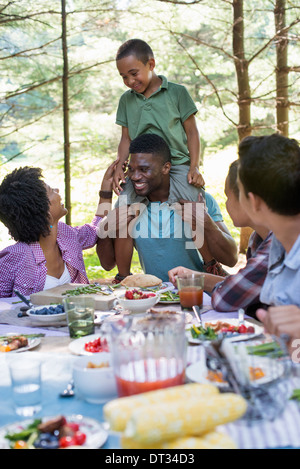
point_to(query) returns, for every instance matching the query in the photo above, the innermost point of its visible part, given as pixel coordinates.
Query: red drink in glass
(190, 290)
(191, 296)
(149, 375)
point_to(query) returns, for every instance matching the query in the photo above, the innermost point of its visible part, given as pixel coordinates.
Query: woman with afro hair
(47, 252)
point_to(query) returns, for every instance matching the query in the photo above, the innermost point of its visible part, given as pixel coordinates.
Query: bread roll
(141, 280)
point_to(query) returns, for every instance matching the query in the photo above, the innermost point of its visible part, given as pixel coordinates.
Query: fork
(241, 313)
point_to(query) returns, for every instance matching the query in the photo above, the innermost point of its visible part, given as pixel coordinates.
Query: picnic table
(57, 359)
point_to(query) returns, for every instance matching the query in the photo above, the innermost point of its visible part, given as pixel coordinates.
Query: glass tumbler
(190, 290)
(80, 312)
(25, 373)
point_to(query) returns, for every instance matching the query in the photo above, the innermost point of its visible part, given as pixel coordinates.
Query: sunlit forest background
(49, 74)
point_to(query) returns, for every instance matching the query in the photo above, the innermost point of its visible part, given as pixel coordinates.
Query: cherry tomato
(80, 438)
(73, 425)
(96, 346)
(66, 441)
(242, 329)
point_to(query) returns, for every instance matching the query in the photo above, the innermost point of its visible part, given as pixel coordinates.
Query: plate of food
(169, 297)
(260, 370)
(15, 343)
(211, 330)
(89, 345)
(74, 431)
(47, 314)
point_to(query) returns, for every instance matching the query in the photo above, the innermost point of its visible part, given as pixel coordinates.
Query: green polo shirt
(163, 113)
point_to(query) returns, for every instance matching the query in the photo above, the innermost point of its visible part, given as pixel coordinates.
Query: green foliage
(192, 45)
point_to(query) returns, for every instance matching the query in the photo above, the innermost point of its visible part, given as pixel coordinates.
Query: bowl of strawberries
(138, 301)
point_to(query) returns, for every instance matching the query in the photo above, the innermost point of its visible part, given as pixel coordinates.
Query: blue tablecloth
(56, 371)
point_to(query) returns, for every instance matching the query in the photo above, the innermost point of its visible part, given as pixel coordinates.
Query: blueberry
(46, 441)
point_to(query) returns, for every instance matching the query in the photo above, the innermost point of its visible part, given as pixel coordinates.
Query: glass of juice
(80, 312)
(190, 290)
(148, 352)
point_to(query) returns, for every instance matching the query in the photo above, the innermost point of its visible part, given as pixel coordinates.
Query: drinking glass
(148, 352)
(80, 315)
(25, 373)
(190, 290)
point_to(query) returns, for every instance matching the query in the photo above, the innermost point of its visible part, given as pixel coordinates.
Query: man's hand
(195, 177)
(284, 319)
(177, 272)
(192, 213)
(117, 222)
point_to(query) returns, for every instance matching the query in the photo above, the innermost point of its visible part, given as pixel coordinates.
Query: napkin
(118, 411)
(211, 440)
(183, 417)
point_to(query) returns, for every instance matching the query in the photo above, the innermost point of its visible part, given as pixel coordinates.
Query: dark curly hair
(151, 143)
(24, 205)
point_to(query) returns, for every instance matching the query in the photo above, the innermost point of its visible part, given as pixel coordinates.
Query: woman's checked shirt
(23, 266)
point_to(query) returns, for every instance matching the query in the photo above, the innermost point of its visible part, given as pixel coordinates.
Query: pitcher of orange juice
(148, 352)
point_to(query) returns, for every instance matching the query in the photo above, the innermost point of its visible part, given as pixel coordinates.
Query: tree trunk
(241, 67)
(66, 113)
(244, 95)
(282, 101)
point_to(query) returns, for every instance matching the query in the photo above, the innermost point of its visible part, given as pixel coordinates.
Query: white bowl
(138, 306)
(48, 318)
(95, 385)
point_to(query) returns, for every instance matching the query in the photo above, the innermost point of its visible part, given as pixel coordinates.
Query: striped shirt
(243, 288)
(23, 266)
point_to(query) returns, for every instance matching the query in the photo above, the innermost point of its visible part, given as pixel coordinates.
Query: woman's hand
(177, 272)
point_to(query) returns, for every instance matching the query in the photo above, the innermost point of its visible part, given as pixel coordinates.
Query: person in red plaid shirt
(242, 289)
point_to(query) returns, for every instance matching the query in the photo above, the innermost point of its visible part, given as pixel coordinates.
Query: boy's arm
(193, 143)
(105, 246)
(123, 153)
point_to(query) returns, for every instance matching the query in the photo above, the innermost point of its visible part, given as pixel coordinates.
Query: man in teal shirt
(161, 238)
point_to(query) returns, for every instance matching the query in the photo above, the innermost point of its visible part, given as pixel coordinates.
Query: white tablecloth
(284, 431)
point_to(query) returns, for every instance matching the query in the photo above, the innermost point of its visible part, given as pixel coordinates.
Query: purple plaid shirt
(23, 266)
(243, 288)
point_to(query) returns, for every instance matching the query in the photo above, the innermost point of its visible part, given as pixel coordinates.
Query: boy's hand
(107, 180)
(119, 177)
(195, 177)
